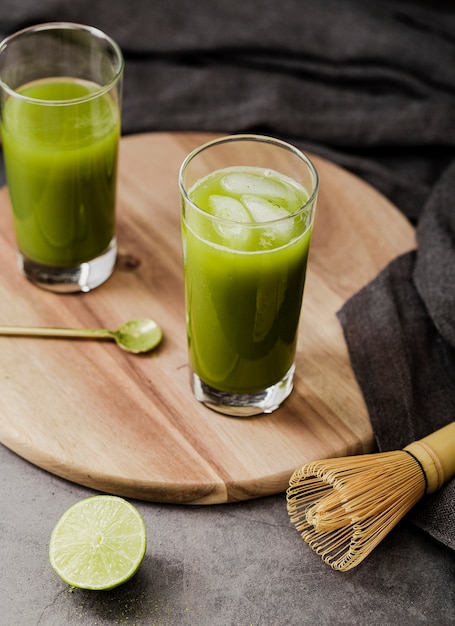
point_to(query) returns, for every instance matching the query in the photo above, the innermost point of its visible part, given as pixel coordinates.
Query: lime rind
(98, 543)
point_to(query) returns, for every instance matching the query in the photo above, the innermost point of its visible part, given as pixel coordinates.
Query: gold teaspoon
(141, 335)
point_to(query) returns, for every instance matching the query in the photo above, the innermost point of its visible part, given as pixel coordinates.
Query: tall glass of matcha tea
(60, 104)
(248, 204)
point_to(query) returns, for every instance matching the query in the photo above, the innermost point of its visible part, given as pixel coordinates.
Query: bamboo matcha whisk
(343, 507)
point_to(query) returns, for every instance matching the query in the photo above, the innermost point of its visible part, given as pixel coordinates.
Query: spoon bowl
(141, 335)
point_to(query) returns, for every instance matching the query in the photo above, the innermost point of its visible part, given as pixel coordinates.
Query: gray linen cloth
(400, 331)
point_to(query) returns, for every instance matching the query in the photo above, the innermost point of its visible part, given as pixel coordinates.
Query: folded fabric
(400, 332)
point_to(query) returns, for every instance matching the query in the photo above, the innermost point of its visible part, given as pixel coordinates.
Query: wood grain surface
(126, 424)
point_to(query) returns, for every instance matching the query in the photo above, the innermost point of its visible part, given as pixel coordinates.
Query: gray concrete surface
(239, 564)
(244, 564)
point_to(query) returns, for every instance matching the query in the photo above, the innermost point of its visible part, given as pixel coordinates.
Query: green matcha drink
(60, 118)
(245, 256)
(61, 164)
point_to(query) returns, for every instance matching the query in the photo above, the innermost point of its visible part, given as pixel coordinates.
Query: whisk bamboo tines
(343, 507)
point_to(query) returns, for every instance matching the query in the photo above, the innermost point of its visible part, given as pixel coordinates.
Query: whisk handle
(436, 454)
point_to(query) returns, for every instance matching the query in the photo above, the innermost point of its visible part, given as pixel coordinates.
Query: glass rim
(250, 137)
(49, 26)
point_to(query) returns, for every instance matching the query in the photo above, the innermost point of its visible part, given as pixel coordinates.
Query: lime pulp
(98, 543)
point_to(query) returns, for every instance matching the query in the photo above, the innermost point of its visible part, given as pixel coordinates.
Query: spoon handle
(30, 331)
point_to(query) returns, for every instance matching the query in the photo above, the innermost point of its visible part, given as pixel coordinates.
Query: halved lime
(98, 543)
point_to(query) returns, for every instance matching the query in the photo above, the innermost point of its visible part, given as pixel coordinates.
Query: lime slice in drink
(98, 543)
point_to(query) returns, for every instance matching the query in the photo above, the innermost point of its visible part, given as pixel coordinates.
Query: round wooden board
(129, 425)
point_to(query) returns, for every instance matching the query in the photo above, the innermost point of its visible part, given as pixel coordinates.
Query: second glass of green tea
(60, 102)
(248, 204)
